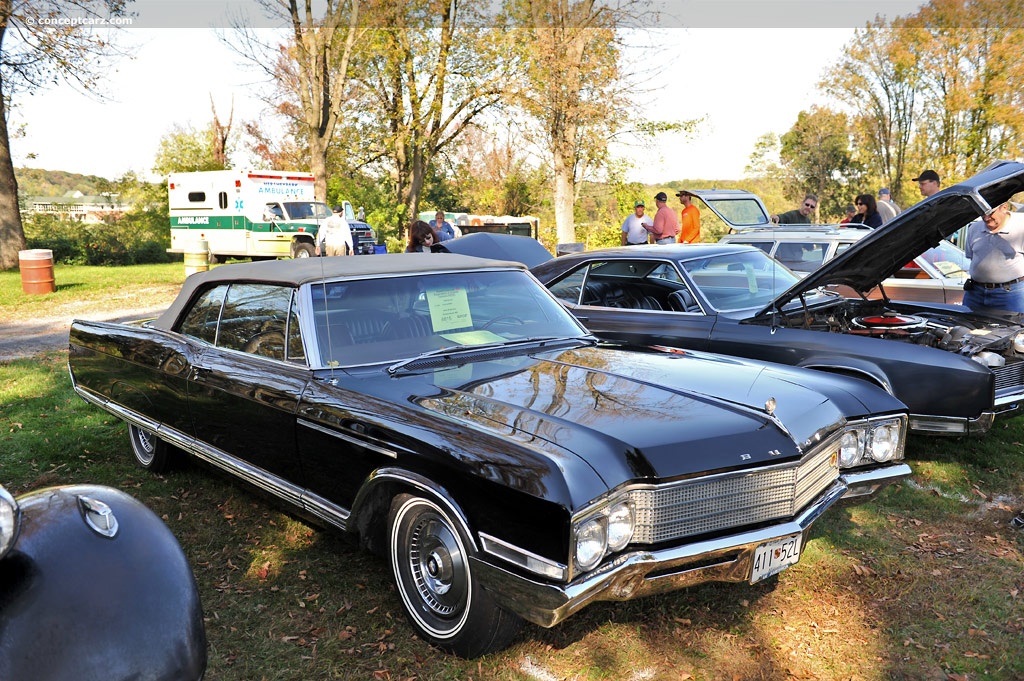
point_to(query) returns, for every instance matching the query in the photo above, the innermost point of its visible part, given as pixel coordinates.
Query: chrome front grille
(1010, 377)
(719, 502)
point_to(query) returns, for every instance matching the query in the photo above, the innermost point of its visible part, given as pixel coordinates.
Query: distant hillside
(39, 182)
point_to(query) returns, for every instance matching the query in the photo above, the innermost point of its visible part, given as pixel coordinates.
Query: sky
(744, 80)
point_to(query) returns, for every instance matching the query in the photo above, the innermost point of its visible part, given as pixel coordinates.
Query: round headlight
(8, 521)
(620, 526)
(850, 448)
(884, 440)
(591, 541)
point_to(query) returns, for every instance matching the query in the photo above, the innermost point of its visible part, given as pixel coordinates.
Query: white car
(935, 276)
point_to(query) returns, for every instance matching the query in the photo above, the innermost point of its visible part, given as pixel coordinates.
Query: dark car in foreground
(450, 413)
(94, 587)
(954, 369)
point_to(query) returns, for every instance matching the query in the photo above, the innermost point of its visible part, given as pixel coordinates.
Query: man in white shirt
(334, 236)
(634, 228)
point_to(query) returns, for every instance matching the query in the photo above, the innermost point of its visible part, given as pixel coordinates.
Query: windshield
(388, 320)
(947, 259)
(307, 210)
(737, 281)
(739, 213)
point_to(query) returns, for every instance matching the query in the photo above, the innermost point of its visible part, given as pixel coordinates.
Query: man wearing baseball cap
(928, 182)
(666, 226)
(689, 219)
(634, 228)
(886, 208)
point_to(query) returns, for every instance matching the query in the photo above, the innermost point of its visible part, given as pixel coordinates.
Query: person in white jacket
(334, 236)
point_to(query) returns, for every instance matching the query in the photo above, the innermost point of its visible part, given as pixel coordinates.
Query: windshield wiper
(454, 350)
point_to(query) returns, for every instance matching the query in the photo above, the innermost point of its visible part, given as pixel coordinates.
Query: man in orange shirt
(689, 219)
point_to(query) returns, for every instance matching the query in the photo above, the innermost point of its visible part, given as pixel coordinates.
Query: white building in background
(78, 206)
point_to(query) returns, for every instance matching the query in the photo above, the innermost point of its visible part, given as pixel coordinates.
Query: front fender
(849, 366)
(78, 604)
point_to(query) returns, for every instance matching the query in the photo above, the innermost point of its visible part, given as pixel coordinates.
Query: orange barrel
(36, 267)
(197, 257)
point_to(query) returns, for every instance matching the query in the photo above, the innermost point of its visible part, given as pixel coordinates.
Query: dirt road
(26, 337)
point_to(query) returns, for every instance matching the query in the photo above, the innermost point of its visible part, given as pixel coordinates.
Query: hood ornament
(769, 406)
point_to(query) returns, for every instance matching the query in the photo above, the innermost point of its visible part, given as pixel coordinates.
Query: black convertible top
(300, 271)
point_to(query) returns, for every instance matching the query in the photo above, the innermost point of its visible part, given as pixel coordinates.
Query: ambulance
(255, 214)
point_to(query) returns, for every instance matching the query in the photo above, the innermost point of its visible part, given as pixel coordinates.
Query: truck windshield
(307, 210)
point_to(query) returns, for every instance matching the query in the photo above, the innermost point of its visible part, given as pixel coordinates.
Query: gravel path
(21, 338)
(26, 338)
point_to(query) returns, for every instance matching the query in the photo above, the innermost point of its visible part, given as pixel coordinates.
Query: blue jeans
(1002, 298)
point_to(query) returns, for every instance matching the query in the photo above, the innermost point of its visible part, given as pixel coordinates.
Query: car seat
(682, 301)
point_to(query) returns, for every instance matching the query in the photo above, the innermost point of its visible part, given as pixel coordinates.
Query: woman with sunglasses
(867, 211)
(421, 238)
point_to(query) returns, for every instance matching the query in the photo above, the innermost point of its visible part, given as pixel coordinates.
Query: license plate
(772, 557)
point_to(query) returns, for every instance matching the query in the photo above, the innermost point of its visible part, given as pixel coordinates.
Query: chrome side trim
(952, 425)
(523, 558)
(254, 475)
(349, 438)
(420, 483)
(642, 573)
(326, 510)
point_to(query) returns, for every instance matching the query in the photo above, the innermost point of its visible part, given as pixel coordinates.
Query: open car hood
(881, 253)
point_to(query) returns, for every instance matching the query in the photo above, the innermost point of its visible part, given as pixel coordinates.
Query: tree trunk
(565, 199)
(12, 234)
(318, 166)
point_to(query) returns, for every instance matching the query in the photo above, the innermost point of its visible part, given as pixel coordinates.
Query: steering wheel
(503, 318)
(267, 344)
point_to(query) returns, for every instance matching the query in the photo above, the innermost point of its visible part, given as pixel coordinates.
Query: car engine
(876, 319)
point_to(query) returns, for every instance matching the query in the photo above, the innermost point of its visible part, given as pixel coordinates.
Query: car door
(608, 297)
(244, 388)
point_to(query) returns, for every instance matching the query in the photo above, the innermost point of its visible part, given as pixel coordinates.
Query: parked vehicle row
(954, 369)
(514, 462)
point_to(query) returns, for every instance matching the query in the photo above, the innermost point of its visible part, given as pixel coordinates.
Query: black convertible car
(954, 369)
(450, 413)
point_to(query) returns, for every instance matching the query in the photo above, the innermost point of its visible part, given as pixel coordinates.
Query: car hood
(631, 415)
(880, 254)
(513, 247)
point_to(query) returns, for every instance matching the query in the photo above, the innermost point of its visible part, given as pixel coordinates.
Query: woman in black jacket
(867, 211)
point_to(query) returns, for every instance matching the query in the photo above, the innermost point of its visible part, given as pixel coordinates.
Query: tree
(936, 89)
(187, 149)
(878, 77)
(423, 79)
(493, 175)
(38, 47)
(973, 109)
(817, 156)
(221, 134)
(571, 71)
(309, 73)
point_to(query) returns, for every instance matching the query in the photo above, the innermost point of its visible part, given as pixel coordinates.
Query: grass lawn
(926, 582)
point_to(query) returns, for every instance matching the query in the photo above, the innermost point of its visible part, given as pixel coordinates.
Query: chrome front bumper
(643, 573)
